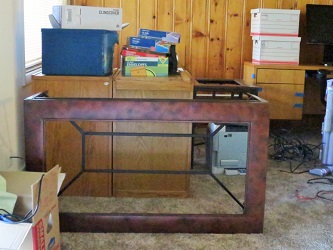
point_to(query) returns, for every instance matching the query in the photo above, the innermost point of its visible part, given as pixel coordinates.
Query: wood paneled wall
(215, 34)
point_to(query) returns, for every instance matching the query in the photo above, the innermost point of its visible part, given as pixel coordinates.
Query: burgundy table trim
(38, 109)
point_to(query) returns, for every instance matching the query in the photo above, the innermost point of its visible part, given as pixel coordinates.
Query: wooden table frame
(39, 108)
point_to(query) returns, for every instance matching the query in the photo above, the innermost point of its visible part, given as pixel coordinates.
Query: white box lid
(275, 11)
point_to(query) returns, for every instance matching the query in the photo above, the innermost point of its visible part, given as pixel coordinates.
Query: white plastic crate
(274, 22)
(276, 49)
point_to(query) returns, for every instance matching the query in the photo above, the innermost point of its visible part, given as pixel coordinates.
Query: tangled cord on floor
(288, 147)
(322, 194)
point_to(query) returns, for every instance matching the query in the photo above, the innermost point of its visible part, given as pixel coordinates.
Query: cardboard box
(130, 51)
(276, 49)
(78, 52)
(43, 232)
(153, 44)
(145, 66)
(274, 22)
(167, 36)
(87, 17)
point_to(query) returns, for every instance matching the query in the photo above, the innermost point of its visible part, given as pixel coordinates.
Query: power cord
(321, 180)
(9, 218)
(286, 147)
(322, 194)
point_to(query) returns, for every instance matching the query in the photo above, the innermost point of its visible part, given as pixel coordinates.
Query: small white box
(87, 17)
(276, 49)
(274, 22)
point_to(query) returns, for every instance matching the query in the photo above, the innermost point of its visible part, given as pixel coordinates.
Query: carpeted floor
(291, 222)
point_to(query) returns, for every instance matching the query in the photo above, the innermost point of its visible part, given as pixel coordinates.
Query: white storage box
(271, 22)
(276, 49)
(87, 17)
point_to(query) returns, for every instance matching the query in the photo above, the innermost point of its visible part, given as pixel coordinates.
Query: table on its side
(39, 108)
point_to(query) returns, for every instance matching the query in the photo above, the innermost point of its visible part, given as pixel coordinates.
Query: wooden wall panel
(88, 2)
(116, 55)
(112, 3)
(233, 39)
(131, 10)
(198, 54)
(320, 1)
(215, 33)
(288, 4)
(182, 26)
(247, 39)
(148, 20)
(270, 4)
(165, 15)
(216, 45)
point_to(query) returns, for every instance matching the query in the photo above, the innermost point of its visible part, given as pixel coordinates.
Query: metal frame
(39, 108)
(208, 137)
(223, 89)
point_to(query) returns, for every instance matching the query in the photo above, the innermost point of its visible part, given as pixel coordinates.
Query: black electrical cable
(290, 148)
(15, 219)
(321, 180)
(322, 194)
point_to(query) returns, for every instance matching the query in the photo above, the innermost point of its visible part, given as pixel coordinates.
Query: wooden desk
(64, 141)
(76, 145)
(152, 153)
(283, 86)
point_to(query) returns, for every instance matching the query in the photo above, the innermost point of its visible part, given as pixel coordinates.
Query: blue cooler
(77, 51)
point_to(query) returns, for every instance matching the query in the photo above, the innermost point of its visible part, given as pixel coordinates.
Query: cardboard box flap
(46, 199)
(23, 191)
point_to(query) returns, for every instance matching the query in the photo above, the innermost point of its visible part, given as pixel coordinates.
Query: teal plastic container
(82, 52)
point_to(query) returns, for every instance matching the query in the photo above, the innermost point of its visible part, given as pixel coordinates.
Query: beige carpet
(290, 223)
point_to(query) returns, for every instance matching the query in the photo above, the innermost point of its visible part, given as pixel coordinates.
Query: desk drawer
(280, 76)
(285, 101)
